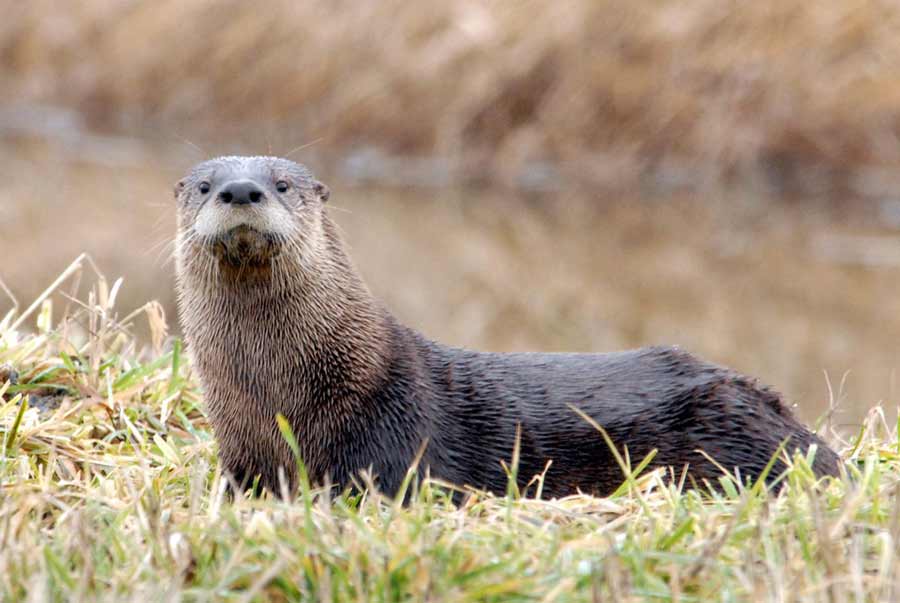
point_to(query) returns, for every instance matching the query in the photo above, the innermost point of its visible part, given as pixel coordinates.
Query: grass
(116, 495)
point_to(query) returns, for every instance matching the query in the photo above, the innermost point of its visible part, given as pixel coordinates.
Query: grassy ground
(116, 495)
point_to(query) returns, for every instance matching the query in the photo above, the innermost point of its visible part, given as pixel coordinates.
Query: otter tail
(742, 425)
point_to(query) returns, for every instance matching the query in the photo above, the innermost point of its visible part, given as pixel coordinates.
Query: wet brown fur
(282, 323)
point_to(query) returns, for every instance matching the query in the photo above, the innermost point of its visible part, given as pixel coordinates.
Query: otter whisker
(299, 148)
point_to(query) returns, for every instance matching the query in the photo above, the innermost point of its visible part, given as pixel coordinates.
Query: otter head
(239, 214)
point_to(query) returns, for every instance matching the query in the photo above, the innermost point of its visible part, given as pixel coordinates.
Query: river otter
(278, 321)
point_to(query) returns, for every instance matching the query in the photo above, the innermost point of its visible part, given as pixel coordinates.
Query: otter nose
(241, 192)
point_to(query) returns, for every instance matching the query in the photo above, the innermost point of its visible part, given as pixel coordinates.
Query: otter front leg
(244, 475)
(240, 479)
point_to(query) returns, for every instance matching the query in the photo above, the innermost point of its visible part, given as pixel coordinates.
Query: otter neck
(305, 320)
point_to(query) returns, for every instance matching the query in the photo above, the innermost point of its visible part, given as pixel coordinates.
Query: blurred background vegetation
(577, 175)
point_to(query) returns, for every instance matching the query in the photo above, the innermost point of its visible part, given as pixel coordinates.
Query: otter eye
(281, 186)
(204, 187)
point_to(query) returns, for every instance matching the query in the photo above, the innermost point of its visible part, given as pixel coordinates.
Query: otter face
(243, 210)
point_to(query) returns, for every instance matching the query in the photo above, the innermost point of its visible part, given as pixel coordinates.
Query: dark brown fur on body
(278, 321)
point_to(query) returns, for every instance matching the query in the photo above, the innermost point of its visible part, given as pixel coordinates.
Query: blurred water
(781, 291)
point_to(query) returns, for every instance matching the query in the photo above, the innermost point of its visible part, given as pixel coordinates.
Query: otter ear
(179, 186)
(321, 191)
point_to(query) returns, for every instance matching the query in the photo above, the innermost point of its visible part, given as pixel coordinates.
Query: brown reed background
(584, 175)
